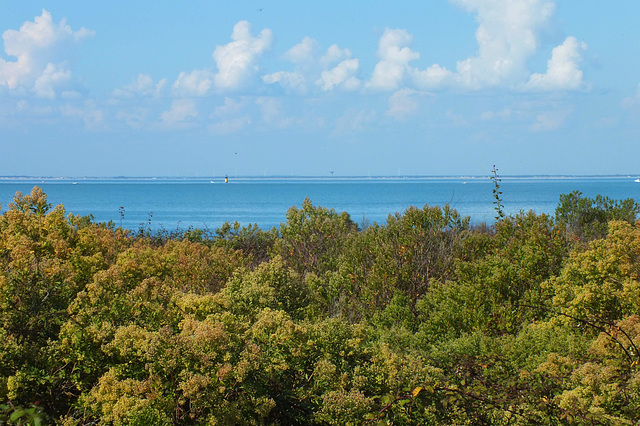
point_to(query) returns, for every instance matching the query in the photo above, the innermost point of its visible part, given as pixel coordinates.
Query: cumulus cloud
(329, 70)
(39, 48)
(342, 75)
(54, 75)
(303, 53)
(194, 83)
(303, 56)
(289, 79)
(507, 35)
(433, 77)
(395, 55)
(181, 110)
(237, 60)
(141, 86)
(563, 69)
(333, 55)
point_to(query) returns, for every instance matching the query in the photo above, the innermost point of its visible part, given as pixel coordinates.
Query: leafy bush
(422, 320)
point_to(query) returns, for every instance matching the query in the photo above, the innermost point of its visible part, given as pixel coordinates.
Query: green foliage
(586, 218)
(32, 416)
(490, 285)
(403, 257)
(251, 240)
(312, 238)
(422, 320)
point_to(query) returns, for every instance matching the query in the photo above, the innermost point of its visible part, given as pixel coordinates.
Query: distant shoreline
(301, 178)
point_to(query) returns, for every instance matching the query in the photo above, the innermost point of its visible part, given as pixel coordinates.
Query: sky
(358, 88)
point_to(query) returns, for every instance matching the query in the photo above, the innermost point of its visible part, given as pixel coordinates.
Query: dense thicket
(423, 320)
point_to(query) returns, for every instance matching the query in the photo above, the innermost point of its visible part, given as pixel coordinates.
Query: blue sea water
(173, 204)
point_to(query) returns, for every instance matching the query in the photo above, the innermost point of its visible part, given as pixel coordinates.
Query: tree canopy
(425, 319)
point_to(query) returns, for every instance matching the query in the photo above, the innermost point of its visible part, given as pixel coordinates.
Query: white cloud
(563, 69)
(237, 60)
(313, 66)
(507, 37)
(181, 110)
(53, 76)
(304, 52)
(303, 55)
(342, 75)
(194, 83)
(433, 77)
(402, 104)
(143, 85)
(395, 56)
(334, 55)
(39, 49)
(289, 79)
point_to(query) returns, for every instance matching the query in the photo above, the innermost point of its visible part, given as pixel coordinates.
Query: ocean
(178, 204)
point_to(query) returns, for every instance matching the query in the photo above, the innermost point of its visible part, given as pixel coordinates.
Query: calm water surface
(199, 203)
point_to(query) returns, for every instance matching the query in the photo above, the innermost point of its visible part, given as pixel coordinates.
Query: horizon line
(460, 176)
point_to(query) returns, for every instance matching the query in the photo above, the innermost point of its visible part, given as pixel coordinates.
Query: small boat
(637, 180)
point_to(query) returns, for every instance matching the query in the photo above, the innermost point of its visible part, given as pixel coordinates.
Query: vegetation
(423, 320)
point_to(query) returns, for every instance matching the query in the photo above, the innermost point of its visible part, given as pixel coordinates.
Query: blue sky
(204, 88)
